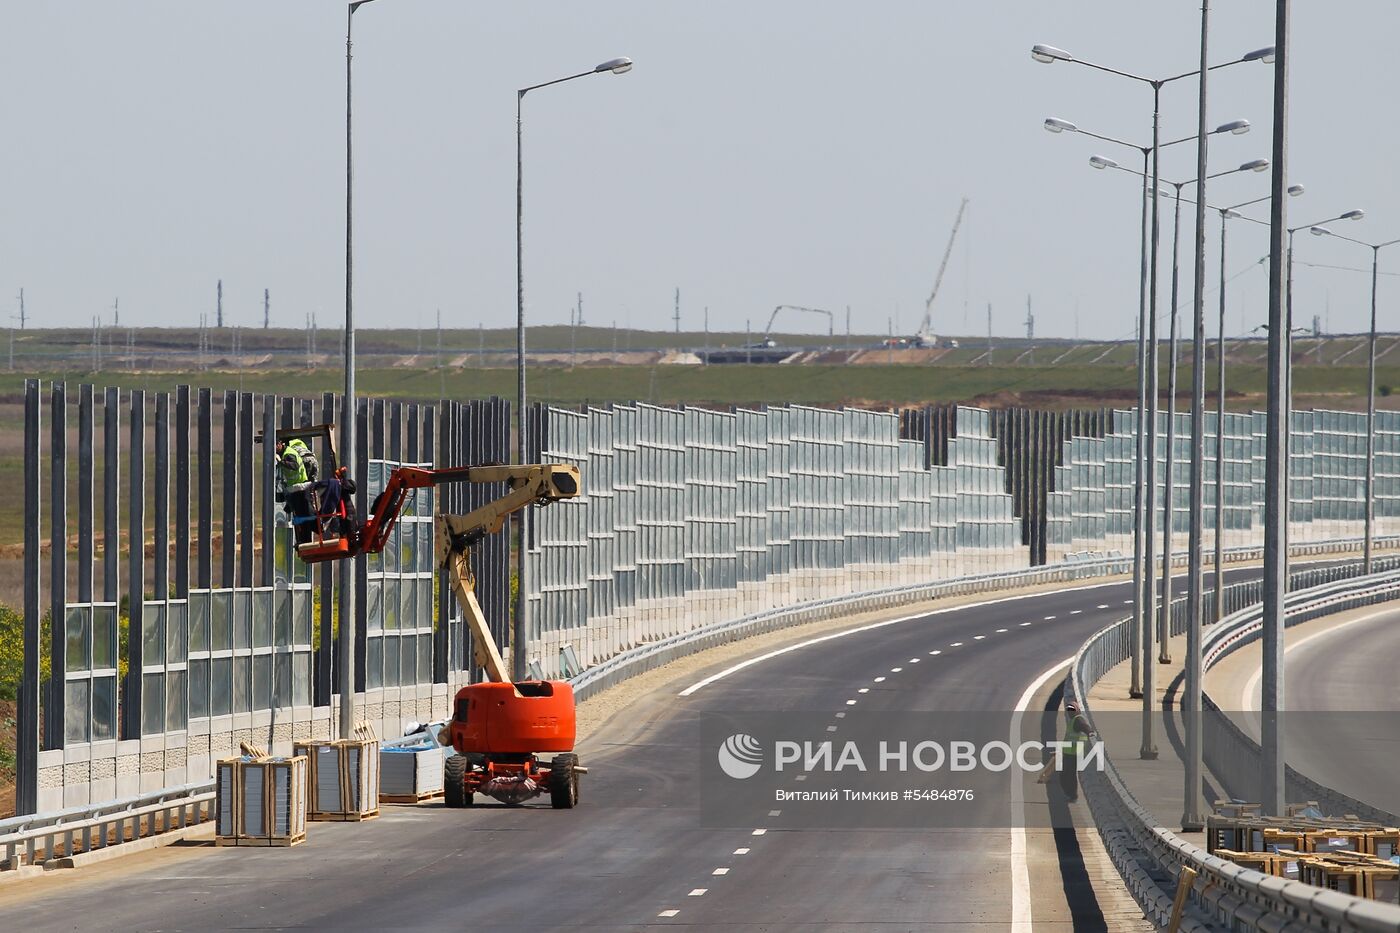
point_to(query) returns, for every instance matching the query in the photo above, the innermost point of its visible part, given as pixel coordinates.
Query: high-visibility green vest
(1074, 736)
(293, 476)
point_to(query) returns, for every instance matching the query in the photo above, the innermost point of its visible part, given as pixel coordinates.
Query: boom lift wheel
(563, 782)
(454, 788)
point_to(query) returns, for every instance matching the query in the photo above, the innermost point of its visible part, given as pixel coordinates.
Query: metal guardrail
(51, 838)
(1149, 856)
(80, 829)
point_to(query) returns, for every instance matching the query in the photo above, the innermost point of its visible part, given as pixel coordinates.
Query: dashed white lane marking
(1024, 624)
(698, 892)
(956, 644)
(830, 728)
(840, 715)
(1127, 602)
(1105, 605)
(759, 832)
(775, 812)
(863, 690)
(720, 871)
(896, 670)
(1049, 618)
(668, 913)
(759, 659)
(802, 777)
(1075, 612)
(935, 653)
(879, 680)
(743, 851)
(850, 702)
(1000, 630)
(915, 660)
(978, 637)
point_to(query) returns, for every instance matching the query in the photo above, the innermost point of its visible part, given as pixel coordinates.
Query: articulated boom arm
(528, 484)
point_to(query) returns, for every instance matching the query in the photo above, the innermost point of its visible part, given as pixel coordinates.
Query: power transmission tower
(678, 310)
(22, 317)
(116, 312)
(580, 309)
(219, 320)
(439, 338)
(1030, 331)
(267, 309)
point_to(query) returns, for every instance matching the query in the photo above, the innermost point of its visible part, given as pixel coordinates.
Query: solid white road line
(1247, 702)
(759, 659)
(1020, 872)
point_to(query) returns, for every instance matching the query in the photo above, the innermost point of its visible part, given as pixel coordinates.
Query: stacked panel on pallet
(261, 801)
(410, 773)
(342, 779)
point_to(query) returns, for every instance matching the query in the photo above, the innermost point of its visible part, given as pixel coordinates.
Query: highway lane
(635, 849)
(1342, 695)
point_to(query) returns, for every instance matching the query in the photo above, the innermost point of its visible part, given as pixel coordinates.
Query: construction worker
(296, 472)
(1077, 733)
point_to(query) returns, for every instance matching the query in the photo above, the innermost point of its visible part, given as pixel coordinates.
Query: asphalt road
(1343, 692)
(635, 850)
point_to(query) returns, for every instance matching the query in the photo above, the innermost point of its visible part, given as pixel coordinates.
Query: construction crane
(498, 728)
(925, 338)
(768, 331)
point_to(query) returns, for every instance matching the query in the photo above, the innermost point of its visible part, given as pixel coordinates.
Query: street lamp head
(1320, 231)
(1230, 213)
(1102, 162)
(1353, 215)
(1056, 125)
(1294, 190)
(1237, 127)
(1047, 54)
(618, 66)
(1265, 55)
(1257, 165)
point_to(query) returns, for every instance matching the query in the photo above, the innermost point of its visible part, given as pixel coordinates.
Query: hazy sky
(760, 153)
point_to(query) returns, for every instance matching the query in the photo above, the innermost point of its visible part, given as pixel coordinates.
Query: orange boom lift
(499, 729)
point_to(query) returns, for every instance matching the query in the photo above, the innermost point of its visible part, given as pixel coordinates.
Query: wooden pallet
(410, 798)
(344, 817)
(283, 841)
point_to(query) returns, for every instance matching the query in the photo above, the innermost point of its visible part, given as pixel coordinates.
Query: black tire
(563, 782)
(454, 785)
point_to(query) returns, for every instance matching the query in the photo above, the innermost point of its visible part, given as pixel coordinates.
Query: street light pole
(348, 625)
(1191, 813)
(1144, 517)
(519, 626)
(1048, 55)
(1369, 488)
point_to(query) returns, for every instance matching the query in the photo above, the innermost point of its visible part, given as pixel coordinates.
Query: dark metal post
(58, 567)
(229, 515)
(1276, 441)
(245, 489)
(1191, 814)
(111, 474)
(181, 492)
(132, 699)
(85, 510)
(27, 712)
(161, 532)
(204, 480)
